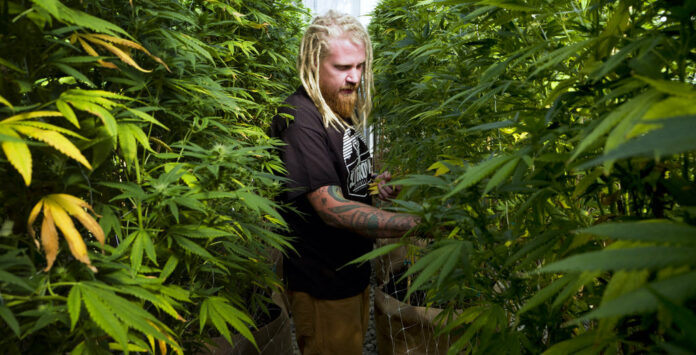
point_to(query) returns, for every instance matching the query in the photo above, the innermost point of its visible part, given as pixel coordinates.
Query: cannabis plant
(143, 121)
(549, 149)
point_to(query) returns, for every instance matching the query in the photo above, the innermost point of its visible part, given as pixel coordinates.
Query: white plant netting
(402, 326)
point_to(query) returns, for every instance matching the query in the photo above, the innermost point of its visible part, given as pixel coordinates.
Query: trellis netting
(403, 326)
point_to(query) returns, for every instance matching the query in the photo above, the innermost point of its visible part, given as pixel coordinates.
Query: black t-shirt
(317, 156)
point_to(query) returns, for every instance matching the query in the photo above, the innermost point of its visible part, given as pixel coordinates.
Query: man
(329, 169)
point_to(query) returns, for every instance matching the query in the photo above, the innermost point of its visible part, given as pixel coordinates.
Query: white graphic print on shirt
(358, 162)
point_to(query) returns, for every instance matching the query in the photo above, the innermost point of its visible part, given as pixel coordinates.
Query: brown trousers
(330, 327)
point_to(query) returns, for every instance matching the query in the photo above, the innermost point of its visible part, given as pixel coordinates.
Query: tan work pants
(330, 327)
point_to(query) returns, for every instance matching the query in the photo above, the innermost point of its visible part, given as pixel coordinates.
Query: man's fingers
(386, 176)
(386, 192)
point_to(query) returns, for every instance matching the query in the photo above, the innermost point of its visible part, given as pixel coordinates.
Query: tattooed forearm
(335, 192)
(337, 211)
(344, 208)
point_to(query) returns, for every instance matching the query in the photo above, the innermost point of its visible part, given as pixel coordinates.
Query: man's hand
(386, 192)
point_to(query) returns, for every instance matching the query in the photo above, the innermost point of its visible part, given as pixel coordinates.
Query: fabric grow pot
(273, 338)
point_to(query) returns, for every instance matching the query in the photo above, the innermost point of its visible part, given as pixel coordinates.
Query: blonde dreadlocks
(315, 47)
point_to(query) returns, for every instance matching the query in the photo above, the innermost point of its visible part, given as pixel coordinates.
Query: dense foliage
(151, 113)
(549, 147)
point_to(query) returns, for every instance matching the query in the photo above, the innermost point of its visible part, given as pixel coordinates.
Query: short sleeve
(308, 159)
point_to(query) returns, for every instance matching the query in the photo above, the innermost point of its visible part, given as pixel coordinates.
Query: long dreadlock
(315, 47)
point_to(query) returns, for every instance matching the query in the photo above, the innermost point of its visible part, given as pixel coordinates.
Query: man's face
(340, 73)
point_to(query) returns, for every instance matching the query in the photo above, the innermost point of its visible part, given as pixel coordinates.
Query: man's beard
(342, 104)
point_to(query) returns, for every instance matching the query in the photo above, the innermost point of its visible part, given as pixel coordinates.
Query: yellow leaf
(71, 235)
(5, 102)
(49, 127)
(373, 188)
(33, 114)
(131, 44)
(32, 217)
(57, 209)
(17, 154)
(151, 339)
(160, 342)
(49, 239)
(93, 53)
(131, 347)
(115, 50)
(439, 168)
(74, 206)
(55, 140)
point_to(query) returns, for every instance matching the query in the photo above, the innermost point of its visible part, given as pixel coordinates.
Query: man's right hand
(386, 192)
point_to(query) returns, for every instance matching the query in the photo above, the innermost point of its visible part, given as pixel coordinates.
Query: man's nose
(353, 76)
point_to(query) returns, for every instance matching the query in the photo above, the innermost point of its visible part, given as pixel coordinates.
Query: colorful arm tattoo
(337, 211)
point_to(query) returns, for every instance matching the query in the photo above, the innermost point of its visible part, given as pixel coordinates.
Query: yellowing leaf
(440, 167)
(75, 206)
(32, 217)
(55, 140)
(67, 227)
(92, 52)
(117, 51)
(17, 151)
(57, 209)
(161, 343)
(131, 44)
(373, 188)
(49, 127)
(32, 114)
(131, 347)
(17, 154)
(110, 44)
(49, 239)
